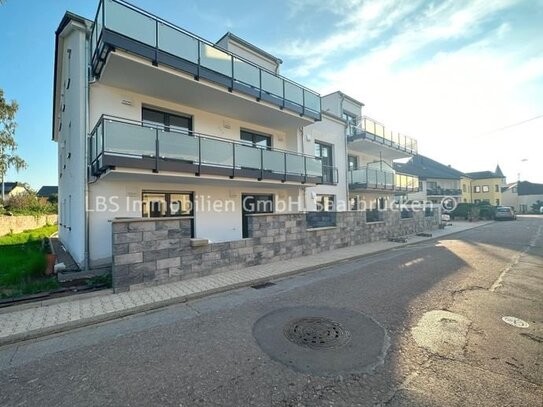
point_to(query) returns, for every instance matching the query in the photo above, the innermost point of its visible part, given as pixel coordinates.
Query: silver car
(504, 213)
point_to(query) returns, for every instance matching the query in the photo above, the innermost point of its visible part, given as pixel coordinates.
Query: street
(434, 310)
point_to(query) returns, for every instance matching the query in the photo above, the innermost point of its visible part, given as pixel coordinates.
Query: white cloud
(450, 99)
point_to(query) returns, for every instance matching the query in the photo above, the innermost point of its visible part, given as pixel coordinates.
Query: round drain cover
(516, 322)
(316, 333)
(321, 340)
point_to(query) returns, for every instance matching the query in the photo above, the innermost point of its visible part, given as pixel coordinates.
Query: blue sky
(451, 73)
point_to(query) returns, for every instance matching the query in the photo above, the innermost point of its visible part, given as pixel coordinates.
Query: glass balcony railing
(406, 183)
(127, 143)
(120, 25)
(372, 130)
(370, 178)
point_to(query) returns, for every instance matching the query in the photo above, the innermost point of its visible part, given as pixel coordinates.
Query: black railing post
(103, 137)
(199, 156)
(155, 62)
(283, 103)
(232, 73)
(261, 164)
(197, 77)
(157, 151)
(233, 160)
(260, 85)
(284, 167)
(305, 170)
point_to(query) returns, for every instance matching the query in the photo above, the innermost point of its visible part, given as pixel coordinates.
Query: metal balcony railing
(370, 178)
(370, 129)
(443, 191)
(121, 25)
(118, 142)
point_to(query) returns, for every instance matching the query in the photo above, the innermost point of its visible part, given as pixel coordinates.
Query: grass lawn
(22, 262)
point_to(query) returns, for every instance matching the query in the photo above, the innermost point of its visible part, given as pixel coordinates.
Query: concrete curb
(37, 333)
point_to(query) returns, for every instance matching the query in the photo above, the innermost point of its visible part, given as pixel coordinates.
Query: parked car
(504, 213)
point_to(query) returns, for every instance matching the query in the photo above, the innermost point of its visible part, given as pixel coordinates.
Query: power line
(513, 125)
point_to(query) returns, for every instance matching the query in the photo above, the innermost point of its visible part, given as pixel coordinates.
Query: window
(324, 151)
(351, 123)
(497, 188)
(257, 140)
(464, 188)
(497, 202)
(167, 121)
(325, 203)
(486, 188)
(514, 189)
(477, 189)
(167, 204)
(353, 162)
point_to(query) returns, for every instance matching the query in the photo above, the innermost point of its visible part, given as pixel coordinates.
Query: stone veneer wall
(153, 251)
(16, 224)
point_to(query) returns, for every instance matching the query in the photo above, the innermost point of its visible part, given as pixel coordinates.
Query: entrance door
(250, 204)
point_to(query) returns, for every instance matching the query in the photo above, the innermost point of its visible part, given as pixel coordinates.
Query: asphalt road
(439, 305)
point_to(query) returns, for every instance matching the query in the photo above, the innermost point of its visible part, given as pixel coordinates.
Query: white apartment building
(154, 121)
(145, 111)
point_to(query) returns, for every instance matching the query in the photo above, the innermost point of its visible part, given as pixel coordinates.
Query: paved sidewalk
(23, 322)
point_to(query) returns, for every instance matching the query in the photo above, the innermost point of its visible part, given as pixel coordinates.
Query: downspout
(346, 152)
(85, 155)
(304, 188)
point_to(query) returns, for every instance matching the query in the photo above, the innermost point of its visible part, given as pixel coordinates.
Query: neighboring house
(437, 180)
(483, 187)
(522, 195)
(46, 192)
(13, 189)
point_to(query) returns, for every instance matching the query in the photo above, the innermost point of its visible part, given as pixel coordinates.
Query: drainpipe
(301, 131)
(346, 152)
(85, 149)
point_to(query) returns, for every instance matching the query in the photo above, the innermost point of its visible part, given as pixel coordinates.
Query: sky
(465, 78)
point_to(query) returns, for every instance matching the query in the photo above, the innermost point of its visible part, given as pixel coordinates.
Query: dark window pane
(154, 205)
(255, 139)
(153, 117)
(180, 123)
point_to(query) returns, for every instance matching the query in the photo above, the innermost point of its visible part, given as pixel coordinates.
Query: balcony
(382, 141)
(121, 26)
(116, 142)
(379, 180)
(438, 191)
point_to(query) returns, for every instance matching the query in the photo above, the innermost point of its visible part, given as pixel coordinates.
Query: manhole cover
(316, 333)
(321, 340)
(516, 322)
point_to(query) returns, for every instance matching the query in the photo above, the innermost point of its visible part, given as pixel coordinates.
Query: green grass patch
(28, 236)
(22, 262)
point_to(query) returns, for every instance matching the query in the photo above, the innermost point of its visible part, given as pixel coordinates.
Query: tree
(8, 146)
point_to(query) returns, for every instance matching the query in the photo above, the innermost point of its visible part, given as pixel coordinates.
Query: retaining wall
(153, 251)
(16, 224)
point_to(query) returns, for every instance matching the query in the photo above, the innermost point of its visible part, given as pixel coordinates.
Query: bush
(487, 211)
(468, 211)
(28, 203)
